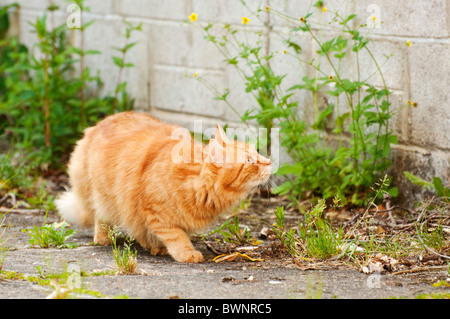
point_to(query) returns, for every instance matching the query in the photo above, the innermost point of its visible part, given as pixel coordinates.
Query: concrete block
(181, 45)
(430, 121)
(390, 57)
(101, 7)
(297, 9)
(173, 91)
(229, 11)
(103, 35)
(173, 10)
(238, 98)
(406, 18)
(421, 163)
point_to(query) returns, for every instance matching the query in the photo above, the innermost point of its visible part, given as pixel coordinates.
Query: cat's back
(131, 123)
(123, 142)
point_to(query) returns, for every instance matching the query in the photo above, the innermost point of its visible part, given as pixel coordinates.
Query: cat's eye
(250, 160)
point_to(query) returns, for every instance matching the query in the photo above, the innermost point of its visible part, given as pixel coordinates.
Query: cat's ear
(220, 137)
(215, 151)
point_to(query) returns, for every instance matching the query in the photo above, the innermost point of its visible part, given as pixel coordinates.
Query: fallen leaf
(256, 242)
(381, 264)
(303, 266)
(233, 256)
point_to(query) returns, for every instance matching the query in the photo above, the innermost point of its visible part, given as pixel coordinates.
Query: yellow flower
(193, 17)
(337, 200)
(373, 18)
(245, 20)
(284, 51)
(331, 78)
(195, 74)
(409, 102)
(408, 43)
(302, 19)
(324, 9)
(414, 104)
(267, 8)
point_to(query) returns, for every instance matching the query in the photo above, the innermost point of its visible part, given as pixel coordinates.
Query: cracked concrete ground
(162, 277)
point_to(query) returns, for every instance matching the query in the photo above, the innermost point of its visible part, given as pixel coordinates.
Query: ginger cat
(123, 173)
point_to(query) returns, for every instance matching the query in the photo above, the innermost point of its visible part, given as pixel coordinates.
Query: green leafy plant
(125, 259)
(315, 237)
(44, 102)
(285, 235)
(39, 236)
(361, 110)
(3, 240)
(42, 200)
(436, 184)
(121, 100)
(59, 234)
(15, 174)
(432, 237)
(215, 230)
(235, 233)
(48, 235)
(232, 232)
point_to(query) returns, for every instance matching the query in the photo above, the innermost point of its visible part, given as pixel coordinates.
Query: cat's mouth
(265, 172)
(263, 177)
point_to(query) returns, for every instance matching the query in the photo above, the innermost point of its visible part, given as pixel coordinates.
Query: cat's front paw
(191, 256)
(158, 250)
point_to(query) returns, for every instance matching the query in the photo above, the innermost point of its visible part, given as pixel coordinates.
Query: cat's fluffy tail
(68, 207)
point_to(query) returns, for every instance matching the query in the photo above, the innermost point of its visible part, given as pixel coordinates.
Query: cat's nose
(264, 160)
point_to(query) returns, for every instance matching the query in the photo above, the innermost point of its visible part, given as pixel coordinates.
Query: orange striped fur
(122, 173)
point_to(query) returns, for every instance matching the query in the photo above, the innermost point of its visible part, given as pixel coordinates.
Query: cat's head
(237, 165)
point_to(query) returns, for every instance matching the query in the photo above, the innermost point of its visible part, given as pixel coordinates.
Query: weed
(45, 104)
(232, 231)
(314, 238)
(125, 259)
(42, 200)
(286, 236)
(48, 235)
(437, 184)
(39, 236)
(432, 237)
(216, 230)
(317, 237)
(235, 233)
(3, 240)
(15, 172)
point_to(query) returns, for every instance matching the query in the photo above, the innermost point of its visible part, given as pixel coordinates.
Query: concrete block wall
(169, 53)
